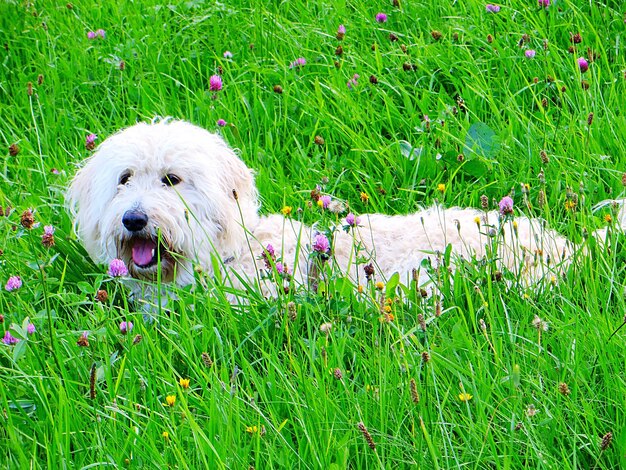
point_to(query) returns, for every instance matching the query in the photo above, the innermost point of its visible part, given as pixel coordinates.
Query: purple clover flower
(381, 17)
(228, 55)
(299, 62)
(583, 65)
(341, 29)
(48, 230)
(321, 244)
(9, 339)
(117, 268)
(221, 122)
(506, 206)
(530, 53)
(544, 3)
(90, 140)
(326, 200)
(280, 268)
(91, 35)
(215, 83)
(352, 220)
(492, 8)
(126, 327)
(353, 81)
(14, 283)
(101, 33)
(268, 255)
(30, 329)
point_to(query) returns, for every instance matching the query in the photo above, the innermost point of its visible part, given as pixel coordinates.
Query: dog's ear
(86, 199)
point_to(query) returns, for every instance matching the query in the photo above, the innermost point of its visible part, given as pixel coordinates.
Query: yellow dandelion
(251, 429)
(165, 435)
(553, 280)
(388, 301)
(184, 382)
(387, 308)
(441, 187)
(364, 197)
(515, 225)
(320, 203)
(465, 396)
(477, 220)
(286, 210)
(608, 219)
(360, 289)
(380, 285)
(170, 400)
(570, 205)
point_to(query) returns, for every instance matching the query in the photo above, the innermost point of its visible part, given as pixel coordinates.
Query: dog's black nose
(134, 220)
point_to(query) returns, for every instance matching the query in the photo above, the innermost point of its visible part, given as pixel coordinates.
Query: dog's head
(162, 197)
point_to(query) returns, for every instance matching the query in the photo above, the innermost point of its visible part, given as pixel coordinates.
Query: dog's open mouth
(145, 255)
(145, 252)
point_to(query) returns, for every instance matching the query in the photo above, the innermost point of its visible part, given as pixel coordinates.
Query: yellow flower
(380, 285)
(465, 396)
(608, 218)
(165, 435)
(286, 210)
(387, 308)
(360, 288)
(570, 205)
(184, 382)
(252, 429)
(364, 197)
(477, 220)
(441, 187)
(170, 400)
(320, 203)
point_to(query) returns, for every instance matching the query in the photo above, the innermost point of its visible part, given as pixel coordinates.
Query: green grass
(278, 392)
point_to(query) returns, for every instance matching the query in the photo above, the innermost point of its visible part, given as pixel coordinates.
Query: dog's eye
(124, 178)
(170, 180)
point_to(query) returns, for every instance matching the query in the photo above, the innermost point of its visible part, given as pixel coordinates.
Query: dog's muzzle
(142, 249)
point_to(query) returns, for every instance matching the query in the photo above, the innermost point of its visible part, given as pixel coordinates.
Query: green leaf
(481, 141)
(408, 151)
(392, 283)
(27, 406)
(19, 350)
(477, 168)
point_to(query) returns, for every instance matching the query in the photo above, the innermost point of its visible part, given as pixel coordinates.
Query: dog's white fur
(211, 218)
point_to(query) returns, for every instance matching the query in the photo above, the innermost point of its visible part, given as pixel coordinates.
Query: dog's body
(170, 196)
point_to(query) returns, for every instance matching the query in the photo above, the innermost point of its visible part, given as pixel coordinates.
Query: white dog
(169, 197)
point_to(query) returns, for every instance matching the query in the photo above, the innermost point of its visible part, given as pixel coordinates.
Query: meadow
(385, 105)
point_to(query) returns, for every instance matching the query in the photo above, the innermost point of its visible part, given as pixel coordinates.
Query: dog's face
(160, 197)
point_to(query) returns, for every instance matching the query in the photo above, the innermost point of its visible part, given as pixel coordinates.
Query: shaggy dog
(169, 197)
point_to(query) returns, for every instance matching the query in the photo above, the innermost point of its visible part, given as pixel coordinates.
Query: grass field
(442, 101)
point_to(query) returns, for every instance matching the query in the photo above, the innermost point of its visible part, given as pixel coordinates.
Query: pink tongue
(142, 252)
